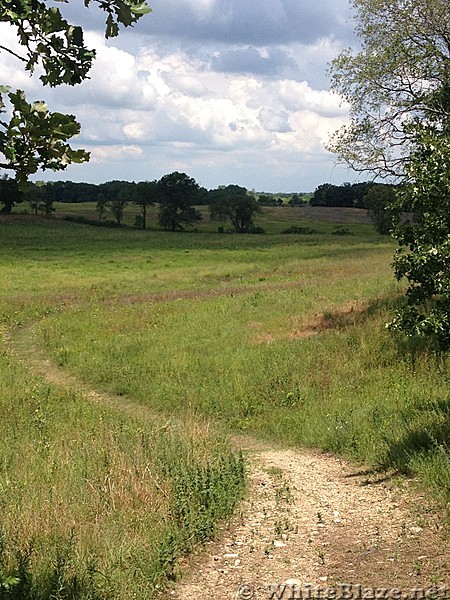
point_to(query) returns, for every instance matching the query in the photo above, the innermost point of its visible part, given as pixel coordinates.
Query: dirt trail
(312, 518)
(22, 343)
(309, 518)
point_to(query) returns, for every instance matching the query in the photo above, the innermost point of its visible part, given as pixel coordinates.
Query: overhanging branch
(13, 53)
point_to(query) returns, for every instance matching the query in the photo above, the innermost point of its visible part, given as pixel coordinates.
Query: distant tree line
(294, 199)
(377, 198)
(177, 194)
(347, 195)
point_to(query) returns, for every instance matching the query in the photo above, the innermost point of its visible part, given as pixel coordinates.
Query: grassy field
(275, 219)
(279, 336)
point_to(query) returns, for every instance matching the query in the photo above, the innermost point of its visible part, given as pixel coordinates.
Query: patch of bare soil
(338, 214)
(310, 523)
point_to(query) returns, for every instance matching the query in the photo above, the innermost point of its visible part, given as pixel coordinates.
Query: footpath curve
(310, 523)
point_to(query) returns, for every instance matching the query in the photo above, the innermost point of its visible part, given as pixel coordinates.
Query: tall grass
(294, 348)
(95, 504)
(279, 336)
(347, 386)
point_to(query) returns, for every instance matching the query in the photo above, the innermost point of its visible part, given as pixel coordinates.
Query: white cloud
(230, 112)
(115, 79)
(201, 8)
(187, 85)
(114, 153)
(274, 121)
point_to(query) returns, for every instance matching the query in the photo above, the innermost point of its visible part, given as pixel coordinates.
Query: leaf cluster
(58, 46)
(35, 138)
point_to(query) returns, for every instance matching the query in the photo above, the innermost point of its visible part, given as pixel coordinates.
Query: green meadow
(202, 336)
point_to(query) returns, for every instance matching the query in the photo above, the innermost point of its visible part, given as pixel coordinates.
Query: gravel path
(311, 518)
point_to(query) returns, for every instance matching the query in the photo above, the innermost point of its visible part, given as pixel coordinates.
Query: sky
(227, 91)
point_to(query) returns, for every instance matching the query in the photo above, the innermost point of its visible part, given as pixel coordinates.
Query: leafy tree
(112, 199)
(10, 194)
(423, 257)
(233, 202)
(38, 199)
(102, 207)
(321, 194)
(35, 138)
(117, 206)
(330, 195)
(295, 200)
(395, 78)
(177, 194)
(359, 191)
(266, 200)
(378, 200)
(398, 88)
(69, 191)
(145, 195)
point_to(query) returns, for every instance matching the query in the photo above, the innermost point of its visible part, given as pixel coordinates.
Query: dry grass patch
(304, 326)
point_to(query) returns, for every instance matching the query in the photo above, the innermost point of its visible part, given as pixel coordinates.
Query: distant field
(317, 214)
(272, 217)
(280, 336)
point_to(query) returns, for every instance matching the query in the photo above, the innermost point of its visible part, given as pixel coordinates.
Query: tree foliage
(112, 199)
(397, 77)
(69, 191)
(233, 202)
(58, 46)
(35, 138)
(347, 195)
(145, 195)
(10, 194)
(379, 200)
(32, 193)
(423, 256)
(398, 88)
(38, 200)
(177, 195)
(296, 200)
